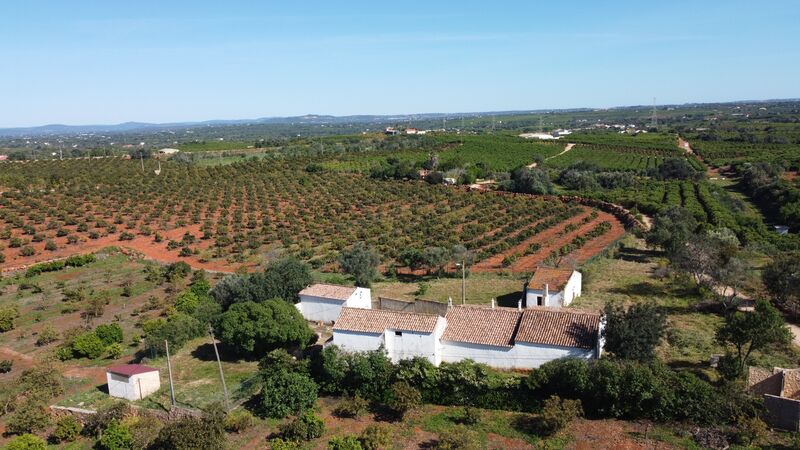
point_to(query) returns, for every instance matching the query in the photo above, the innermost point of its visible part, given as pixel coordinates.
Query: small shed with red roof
(132, 381)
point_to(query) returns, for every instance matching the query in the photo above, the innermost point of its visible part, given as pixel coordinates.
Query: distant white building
(323, 302)
(499, 337)
(132, 381)
(540, 136)
(553, 287)
(168, 151)
(403, 335)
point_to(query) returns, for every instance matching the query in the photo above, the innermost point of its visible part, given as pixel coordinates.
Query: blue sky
(86, 62)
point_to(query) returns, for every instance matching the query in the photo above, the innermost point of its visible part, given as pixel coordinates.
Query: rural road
(566, 149)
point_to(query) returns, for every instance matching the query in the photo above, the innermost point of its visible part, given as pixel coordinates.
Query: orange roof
(559, 327)
(487, 326)
(555, 279)
(378, 320)
(333, 291)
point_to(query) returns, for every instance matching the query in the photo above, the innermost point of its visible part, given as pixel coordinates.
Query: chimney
(519, 305)
(493, 303)
(546, 293)
(449, 302)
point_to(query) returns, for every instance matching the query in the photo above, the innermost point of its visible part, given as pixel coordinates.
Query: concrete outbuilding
(132, 381)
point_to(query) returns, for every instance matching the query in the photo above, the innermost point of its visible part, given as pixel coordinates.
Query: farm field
(493, 152)
(224, 217)
(613, 158)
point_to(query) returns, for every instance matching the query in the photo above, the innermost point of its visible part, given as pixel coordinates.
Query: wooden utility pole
(219, 363)
(169, 370)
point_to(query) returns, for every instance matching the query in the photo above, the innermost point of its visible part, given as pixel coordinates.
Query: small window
(398, 333)
(539, 300)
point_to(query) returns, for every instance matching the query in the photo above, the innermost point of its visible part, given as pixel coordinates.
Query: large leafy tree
(747, 332)
(284, 392)
(253, 329)
(283, 278)
(361, 262)
(635, 333)
(672, 229)
(782, 279)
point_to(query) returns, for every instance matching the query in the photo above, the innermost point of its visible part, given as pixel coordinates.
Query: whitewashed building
(403, 335)
(553, 287)
(132, 381)
(499, 337)
(323, 302)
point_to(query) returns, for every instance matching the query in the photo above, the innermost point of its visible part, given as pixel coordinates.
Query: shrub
(187, 302)
(144, 430)
(50, 246)
(109, 333)
(27, 251)
(305, 427)
(282, 444)
(31, 416)
(8, 318)
(116, 437)
(46, 335)
(751, 430)
(239, 420)
(26, 442)
(114, 350)
(344, 443)
(558, 413)
(104, 417)
(67, 429)
(458, 438)
(403, 398)
(285, 393)
(6, 365)
(42, 381)
(376, 437)
(354, 406)
(470, 416)
(88, 345)
(190, 434)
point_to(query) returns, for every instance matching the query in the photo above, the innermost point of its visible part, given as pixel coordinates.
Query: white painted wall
(135, 387)
(573, 288)
(571, 291)
(520, 356)
(322, 309)
(361, 298)
(319, 309)
(351, 341)
(409, 344)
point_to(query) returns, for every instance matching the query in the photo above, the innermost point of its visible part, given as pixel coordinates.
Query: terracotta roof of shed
(559, 327)
(555, 279)
(487, 326)
(378, 320)
(129, 370)
(333, 291)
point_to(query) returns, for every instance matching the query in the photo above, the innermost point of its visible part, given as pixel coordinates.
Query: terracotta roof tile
(378, 320)
(487, 326)
(555, 279)
(560, 327)
(333, 291)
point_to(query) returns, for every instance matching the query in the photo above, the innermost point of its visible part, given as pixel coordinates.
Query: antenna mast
(654, 118)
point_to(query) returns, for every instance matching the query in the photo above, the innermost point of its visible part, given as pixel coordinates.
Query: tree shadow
(529, 425)
(510, 300)
(205, 352)
(637, 255)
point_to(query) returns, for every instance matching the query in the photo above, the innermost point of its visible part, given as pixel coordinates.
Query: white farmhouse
(403, 335)
(323, 302)
(132, 381)
(168, 151)
(503, 338)
(553, 287)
